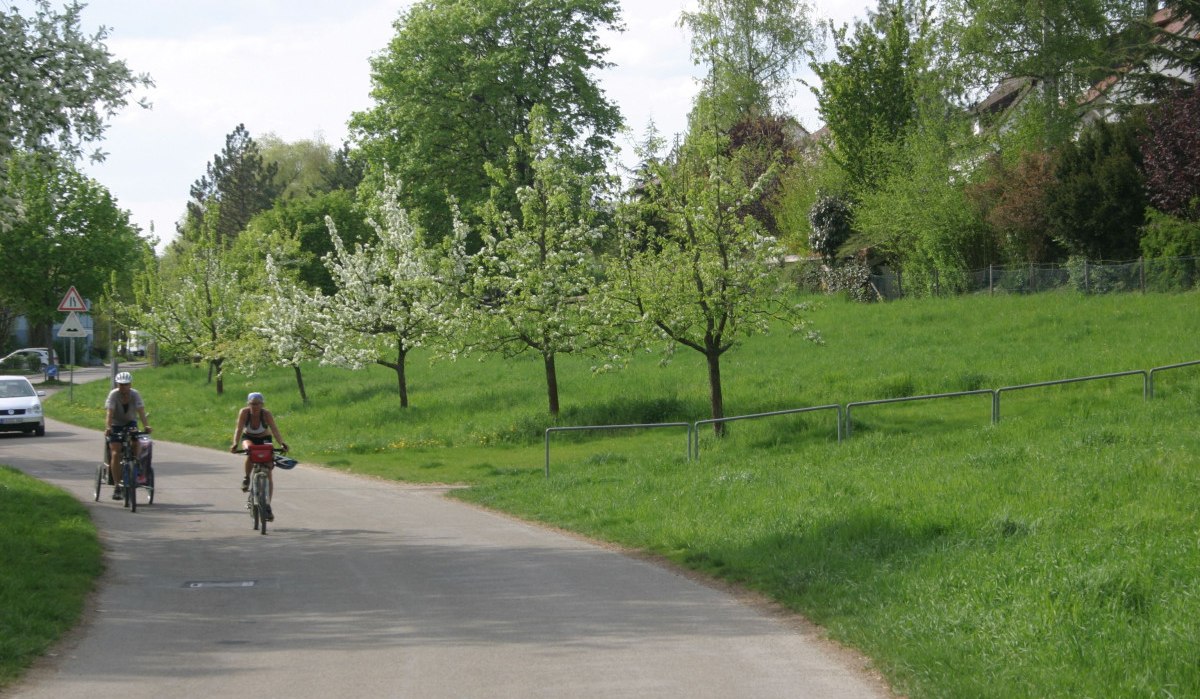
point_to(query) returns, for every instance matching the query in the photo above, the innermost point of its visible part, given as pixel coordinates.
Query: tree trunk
(220, 376)
(551, 383)
(401, 354)
(300, 383)
(714, 390)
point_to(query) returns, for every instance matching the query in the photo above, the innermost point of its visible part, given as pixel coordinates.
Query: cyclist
(122, 408)
(256, 425)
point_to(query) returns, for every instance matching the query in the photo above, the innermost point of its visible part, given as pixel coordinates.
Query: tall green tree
(58, 86)
(749, 49)
(454, 89)
(238, 184)
(868, 96)
(71, 233)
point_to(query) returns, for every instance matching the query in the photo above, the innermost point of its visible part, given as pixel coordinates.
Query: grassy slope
(1052, 555)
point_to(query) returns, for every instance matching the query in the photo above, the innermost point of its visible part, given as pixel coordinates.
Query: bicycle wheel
(262, 501)
(149, 486)
(129, 476)
(101, 472)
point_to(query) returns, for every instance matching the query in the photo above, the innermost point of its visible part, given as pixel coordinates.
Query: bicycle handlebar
(278, 451)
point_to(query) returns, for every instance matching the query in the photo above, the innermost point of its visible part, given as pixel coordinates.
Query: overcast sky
(299, 68)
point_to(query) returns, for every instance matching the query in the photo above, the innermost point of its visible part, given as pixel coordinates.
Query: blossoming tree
(532, 286)
(390, 297)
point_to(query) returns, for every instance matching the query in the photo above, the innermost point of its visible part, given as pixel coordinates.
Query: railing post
(990, 289)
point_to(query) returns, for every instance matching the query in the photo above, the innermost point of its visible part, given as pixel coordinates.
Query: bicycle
(258, 498)
(136, 469)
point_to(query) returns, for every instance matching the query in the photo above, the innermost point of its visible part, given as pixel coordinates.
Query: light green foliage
(302, 167)
(454, 89)
(71, 232)
(533, 285)
(920, 217)
(192, 302)
(706, 279)
(868, 93)
(815, 173)
(1165, 240)
(1058, 43)
(59, 87)
(749, 49)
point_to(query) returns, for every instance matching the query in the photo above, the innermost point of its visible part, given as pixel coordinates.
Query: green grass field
(49, 558)
(1052, 555)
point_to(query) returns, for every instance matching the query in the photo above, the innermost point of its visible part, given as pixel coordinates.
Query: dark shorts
(260, 439)
(118, 431)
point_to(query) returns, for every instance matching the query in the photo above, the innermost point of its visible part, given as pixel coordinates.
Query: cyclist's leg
(114, 468)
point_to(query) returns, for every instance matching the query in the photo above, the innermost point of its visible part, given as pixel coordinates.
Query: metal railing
(1164, 368)
(849, 427)
(996, 400)
(693, 435)
(695, 431)
(688, 425)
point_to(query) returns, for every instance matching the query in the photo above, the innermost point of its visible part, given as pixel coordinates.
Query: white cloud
(299, 68)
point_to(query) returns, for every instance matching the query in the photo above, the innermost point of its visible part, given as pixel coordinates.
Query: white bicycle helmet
(124, 377)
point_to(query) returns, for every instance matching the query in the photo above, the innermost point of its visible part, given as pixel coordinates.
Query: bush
(1171, 246)
(830, 218)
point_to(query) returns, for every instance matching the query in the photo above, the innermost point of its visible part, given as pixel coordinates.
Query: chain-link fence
(1159, 274)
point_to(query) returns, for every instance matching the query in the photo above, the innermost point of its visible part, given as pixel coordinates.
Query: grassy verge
(1054, 554)
(49, 557)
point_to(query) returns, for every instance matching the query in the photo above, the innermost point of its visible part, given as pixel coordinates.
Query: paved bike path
(366, 588)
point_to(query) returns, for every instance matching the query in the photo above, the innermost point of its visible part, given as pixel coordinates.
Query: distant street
(366, 588)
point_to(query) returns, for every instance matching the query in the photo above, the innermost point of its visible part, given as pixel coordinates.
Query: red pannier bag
(261, 453)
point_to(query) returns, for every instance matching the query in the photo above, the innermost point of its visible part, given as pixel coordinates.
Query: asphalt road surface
(364, 588)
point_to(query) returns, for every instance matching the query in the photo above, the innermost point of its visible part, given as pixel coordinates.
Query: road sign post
(71, 304)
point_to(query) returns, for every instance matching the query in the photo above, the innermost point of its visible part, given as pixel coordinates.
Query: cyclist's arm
(108, 414)
(274, 429)
(237, 431)
(145, 423)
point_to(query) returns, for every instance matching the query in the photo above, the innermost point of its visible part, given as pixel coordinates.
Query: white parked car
(22, 358)
(21, 406)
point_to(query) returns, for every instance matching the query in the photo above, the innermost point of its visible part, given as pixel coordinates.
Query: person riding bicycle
(255, 425)
(123, 407)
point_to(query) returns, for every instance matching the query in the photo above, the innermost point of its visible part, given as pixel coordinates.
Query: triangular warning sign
(71, 327)
(72, 302)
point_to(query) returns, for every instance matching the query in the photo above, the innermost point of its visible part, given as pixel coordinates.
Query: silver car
(21, 406)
